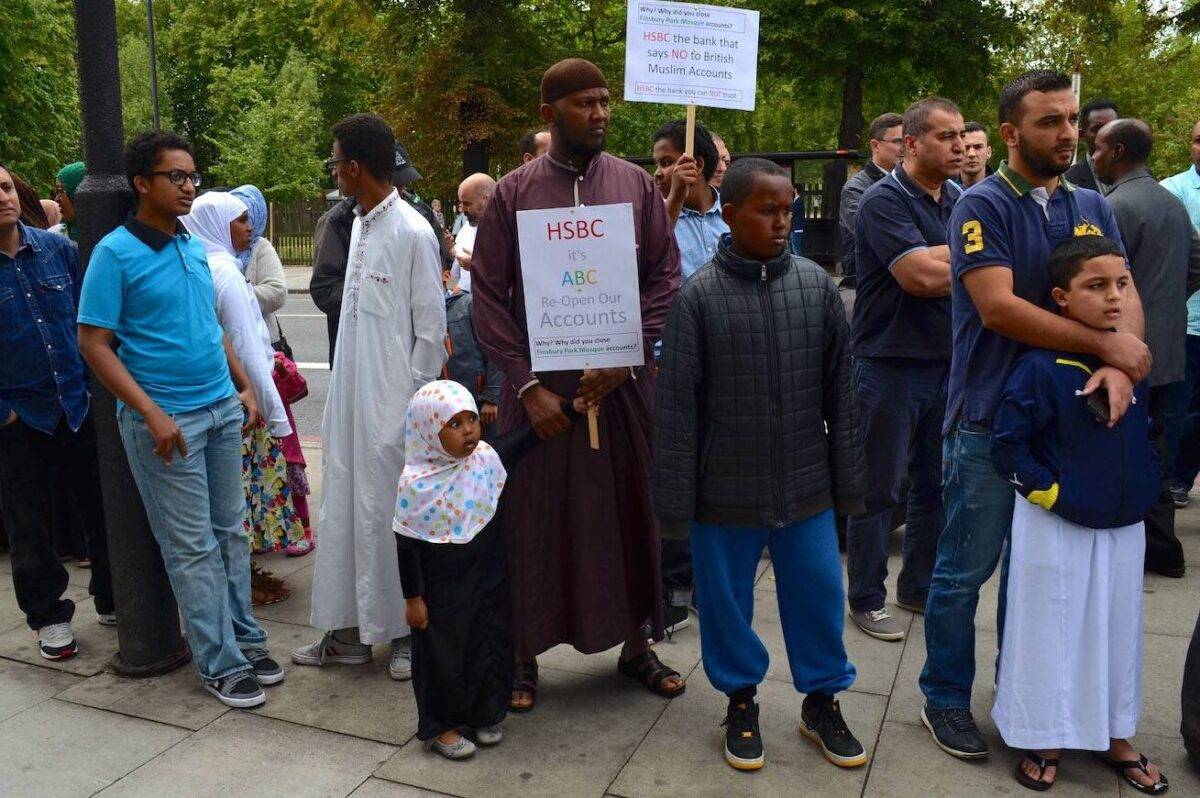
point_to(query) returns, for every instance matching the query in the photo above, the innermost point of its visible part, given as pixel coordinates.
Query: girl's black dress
(463, 661)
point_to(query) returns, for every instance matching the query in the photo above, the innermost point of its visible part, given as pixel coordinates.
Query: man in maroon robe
(583, 545)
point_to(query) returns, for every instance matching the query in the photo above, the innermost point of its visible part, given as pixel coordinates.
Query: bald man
(1164, 254)
(534, 145)
(473, 195)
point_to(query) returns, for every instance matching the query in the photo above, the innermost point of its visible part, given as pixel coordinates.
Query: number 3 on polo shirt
(972, 237)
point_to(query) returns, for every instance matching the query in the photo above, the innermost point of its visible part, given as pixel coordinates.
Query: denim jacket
(41, 373)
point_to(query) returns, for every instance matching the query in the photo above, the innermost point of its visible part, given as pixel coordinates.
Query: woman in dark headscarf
(65, 185)
(32, 213)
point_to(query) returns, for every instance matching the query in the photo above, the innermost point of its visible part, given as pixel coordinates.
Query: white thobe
(391, 341)
(1071, 654)
(242, 320)
(464, 243)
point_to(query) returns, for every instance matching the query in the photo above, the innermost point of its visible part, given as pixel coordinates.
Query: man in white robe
(390, 343)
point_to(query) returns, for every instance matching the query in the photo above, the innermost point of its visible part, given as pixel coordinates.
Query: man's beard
(1040, 163)
(580, 149)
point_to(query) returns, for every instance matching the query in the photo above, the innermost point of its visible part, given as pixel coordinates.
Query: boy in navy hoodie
(1070, 659)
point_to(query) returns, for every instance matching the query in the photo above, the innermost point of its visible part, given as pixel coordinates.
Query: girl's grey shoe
(489, 735)
(459, 750)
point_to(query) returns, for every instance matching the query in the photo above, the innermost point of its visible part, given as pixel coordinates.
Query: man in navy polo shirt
(1001, 234)
(148, 289)
(901, 344)
(47, 443)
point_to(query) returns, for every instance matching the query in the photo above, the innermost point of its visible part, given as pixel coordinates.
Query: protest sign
(691, 54)
(582, 298)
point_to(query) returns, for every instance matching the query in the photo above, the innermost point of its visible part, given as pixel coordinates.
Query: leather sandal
(1041, 763)
(1158, 788)
(525, 680)
(648, 669)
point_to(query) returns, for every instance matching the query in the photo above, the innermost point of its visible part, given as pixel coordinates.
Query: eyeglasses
(331, 163)
(898, 141)
(178, 177)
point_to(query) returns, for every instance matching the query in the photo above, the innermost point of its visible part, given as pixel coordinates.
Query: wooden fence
(290, 228)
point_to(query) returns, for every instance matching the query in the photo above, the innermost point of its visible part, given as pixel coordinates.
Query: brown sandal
(525, 680)
(648, 669)
(266, 588)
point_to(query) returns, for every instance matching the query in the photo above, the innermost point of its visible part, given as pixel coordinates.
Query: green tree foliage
(39, 105)
(267, 129)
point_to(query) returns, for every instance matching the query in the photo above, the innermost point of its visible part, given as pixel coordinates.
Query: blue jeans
(1181, 417)
(901, 405)
(979, 507)
(808, 584)
(196, 507)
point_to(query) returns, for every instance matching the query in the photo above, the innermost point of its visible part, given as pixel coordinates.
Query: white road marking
(313, 366)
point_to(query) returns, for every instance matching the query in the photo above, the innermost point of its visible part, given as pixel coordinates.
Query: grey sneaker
(329, 650)
(1179, 495)
(400, 668)
(239, 690)
(878, 624)
(459, 750)
(489, 735)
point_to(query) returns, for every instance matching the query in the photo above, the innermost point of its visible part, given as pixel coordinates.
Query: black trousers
(1163, 549)
(678, 580)
(36, 472)
(463, 661)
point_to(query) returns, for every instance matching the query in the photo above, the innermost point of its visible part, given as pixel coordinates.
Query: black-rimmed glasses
(178, 177)
(331, 163)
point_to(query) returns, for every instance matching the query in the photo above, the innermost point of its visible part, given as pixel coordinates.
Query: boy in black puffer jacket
(755, 445)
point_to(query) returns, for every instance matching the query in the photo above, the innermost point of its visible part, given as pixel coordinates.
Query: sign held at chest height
(582, 299)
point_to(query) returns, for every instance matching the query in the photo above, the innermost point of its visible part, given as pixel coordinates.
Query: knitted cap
(569, 76)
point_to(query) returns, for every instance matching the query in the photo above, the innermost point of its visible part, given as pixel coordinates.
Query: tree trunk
(472, 110)
(849, 138)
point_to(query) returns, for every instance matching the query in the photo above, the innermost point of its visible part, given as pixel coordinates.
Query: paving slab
(1170, 606)
(278, 563)
(907, 765)
(875, 660)
(23, 686)
(380, 788)
(1162, 680)
(574, 743)
(61, 749)
(297, 608)
(359, 700)
(11, 616)
(177, 698)
(907, 699)
(97, 643)
(683, 753)
(244, 754)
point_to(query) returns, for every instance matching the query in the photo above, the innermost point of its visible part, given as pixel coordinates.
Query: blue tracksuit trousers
(808, 583)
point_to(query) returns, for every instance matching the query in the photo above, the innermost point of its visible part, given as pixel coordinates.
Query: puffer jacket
(754, 422)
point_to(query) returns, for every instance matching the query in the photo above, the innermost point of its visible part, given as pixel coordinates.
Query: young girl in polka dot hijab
(451, 550)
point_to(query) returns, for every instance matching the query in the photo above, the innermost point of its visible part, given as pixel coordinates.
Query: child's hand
(416, 613)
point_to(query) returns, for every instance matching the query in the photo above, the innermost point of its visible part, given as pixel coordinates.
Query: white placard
(582, 299)
(688, 53)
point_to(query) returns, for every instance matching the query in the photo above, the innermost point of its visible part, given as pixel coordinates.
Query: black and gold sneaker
(743, 743)
(821, 721)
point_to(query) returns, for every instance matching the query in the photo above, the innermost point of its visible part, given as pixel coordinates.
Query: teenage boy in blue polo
(901, 344)
(47, 442)
(1001, 235)
(148, 289)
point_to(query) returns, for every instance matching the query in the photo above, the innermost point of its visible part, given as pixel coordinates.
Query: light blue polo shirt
(155, 292)
(1186, 186)
(697, 235)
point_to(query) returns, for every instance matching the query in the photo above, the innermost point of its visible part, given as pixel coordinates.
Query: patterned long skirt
(271, 520)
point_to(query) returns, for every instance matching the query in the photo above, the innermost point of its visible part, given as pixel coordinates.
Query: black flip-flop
(648, 669)
(1041, 763)
(1139, 764)
(525, 680)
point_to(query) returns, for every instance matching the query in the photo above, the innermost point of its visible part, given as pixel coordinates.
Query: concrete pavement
(76, 729)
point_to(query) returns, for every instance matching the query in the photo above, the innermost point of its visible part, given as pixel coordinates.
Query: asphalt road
(304, 327)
